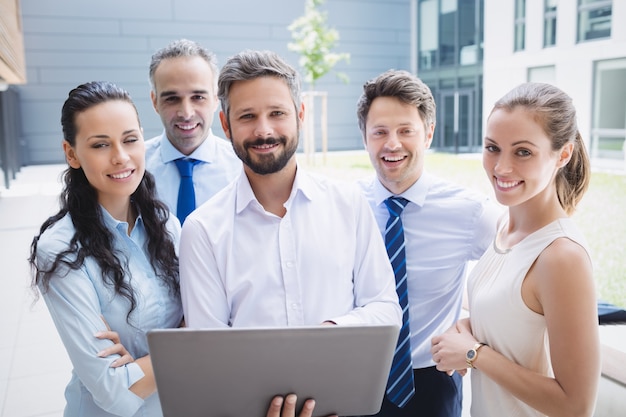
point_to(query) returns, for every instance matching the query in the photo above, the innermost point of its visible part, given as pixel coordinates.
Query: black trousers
(436, 395)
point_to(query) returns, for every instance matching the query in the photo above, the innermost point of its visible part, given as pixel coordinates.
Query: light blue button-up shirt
(217, 168)
(445, 227)
(77, 301)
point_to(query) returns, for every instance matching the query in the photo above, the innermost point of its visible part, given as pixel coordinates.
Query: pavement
(35, 367)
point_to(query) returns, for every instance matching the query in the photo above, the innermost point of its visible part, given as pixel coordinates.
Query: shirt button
(289, 264)
(294, 306)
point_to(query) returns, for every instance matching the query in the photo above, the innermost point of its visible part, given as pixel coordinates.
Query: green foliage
(313, 41)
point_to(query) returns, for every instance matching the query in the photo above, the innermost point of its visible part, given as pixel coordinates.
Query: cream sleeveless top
(500, 318)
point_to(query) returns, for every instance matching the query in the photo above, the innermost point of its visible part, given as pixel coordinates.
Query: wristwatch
(472, 354)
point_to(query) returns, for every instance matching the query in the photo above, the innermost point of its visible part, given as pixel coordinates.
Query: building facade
(74, 41)
(470, 52)
(577, 45)
(449, 59)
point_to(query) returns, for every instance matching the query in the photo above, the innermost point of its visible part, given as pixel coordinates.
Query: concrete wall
(73, 41)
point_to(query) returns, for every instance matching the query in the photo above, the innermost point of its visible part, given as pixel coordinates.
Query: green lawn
(600, 214)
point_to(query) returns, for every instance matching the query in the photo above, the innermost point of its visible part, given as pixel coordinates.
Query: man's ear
(301, 114)
(430, 134)
(224, 123)
(70, 155)
(153, 98)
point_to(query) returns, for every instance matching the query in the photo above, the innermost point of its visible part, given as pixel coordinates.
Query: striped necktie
(186, 192)
(400, 387)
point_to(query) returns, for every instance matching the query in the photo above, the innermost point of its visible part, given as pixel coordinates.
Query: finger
(275, 406)
(289, 406)
(116, 349)
(121, 361)
(307, 408)
(462, 372)
(112, 336)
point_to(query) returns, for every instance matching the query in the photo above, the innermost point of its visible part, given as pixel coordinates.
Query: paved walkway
(34, 368)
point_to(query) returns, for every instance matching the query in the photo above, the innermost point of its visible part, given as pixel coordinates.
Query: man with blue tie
(432, 229)
(189, 163)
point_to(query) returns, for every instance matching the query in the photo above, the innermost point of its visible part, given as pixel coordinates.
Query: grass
(600, 214)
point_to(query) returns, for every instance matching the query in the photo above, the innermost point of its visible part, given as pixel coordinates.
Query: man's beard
(268, 163)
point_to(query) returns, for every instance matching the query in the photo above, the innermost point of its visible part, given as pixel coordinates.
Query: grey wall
(73, 41)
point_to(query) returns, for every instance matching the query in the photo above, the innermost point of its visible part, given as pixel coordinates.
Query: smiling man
(444, 227)
(183, 77)
(278, 246)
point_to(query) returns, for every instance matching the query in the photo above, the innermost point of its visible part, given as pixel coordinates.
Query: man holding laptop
(278, 246)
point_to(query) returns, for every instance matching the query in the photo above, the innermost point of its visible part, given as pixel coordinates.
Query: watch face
(471, 354)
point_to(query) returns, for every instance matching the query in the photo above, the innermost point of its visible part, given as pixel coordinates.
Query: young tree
(313, 41)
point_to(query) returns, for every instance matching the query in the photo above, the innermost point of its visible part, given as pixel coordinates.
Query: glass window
(545, 74)
(608, 131)
(447, 30)
(429, 34)
(549, 25)
(594, 19)
(469, 50)
(520, 25)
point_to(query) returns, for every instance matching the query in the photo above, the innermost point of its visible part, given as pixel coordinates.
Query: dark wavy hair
(92, 239)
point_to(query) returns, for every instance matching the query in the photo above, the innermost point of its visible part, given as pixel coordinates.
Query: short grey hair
(183, 48)
(249, 65)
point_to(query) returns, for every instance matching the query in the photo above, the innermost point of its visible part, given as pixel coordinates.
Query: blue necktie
(400, 387)
(186, 193)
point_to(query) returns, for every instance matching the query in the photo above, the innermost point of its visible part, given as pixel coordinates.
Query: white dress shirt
(219, 166)
(242, 266)
(445, 227)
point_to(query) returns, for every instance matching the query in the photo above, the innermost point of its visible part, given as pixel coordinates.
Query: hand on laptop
(288, 409)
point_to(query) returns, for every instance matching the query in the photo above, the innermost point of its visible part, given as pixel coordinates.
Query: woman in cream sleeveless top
(532, 335)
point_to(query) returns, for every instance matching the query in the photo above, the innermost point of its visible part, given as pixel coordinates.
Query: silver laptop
(236, 372)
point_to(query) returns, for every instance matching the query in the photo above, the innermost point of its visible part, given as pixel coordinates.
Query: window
(545, 74)
(448, 27)
(520, 25)
(449, 33)
(549, 23)
(594, 19)
(428, 34)
(608, 130)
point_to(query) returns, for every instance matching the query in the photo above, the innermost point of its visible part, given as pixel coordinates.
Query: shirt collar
(205, 152)
(303, 184)
(416, 193)
(114, 224)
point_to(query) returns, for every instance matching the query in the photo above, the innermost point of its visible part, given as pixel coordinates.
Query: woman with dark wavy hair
(108, 257)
